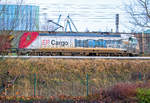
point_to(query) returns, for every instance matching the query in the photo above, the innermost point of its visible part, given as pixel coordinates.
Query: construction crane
(69, 21)
(59, 19)
(56, 23)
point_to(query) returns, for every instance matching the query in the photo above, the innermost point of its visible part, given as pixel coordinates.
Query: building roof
(147, 31)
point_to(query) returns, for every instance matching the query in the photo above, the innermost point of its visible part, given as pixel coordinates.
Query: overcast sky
(94, 15)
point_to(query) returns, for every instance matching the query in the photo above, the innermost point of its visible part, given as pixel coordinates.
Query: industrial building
(144, 42)
(19, 17)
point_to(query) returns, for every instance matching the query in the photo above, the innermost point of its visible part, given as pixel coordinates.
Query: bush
(143, 95)
(123, 90)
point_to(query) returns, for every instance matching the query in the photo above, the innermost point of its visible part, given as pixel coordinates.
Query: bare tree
(139, 11)
(7, 25)
(18, 18)
(8, 20)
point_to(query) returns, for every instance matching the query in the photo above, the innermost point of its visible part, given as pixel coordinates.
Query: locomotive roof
(79, 34)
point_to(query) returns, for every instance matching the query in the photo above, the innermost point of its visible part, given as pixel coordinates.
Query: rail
(78, 57)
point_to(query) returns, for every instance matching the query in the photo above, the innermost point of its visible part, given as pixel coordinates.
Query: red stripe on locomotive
(27, 38)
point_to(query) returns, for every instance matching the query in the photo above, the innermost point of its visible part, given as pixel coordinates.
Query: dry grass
(68, 76)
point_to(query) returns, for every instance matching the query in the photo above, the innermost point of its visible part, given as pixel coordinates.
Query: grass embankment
(68, 76)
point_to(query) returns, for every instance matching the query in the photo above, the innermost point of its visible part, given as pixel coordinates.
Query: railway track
(78, 57)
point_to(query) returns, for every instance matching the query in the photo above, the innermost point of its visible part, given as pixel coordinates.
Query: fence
(70, 84)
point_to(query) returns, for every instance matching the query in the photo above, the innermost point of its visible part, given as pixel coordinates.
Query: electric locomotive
(77, 44)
